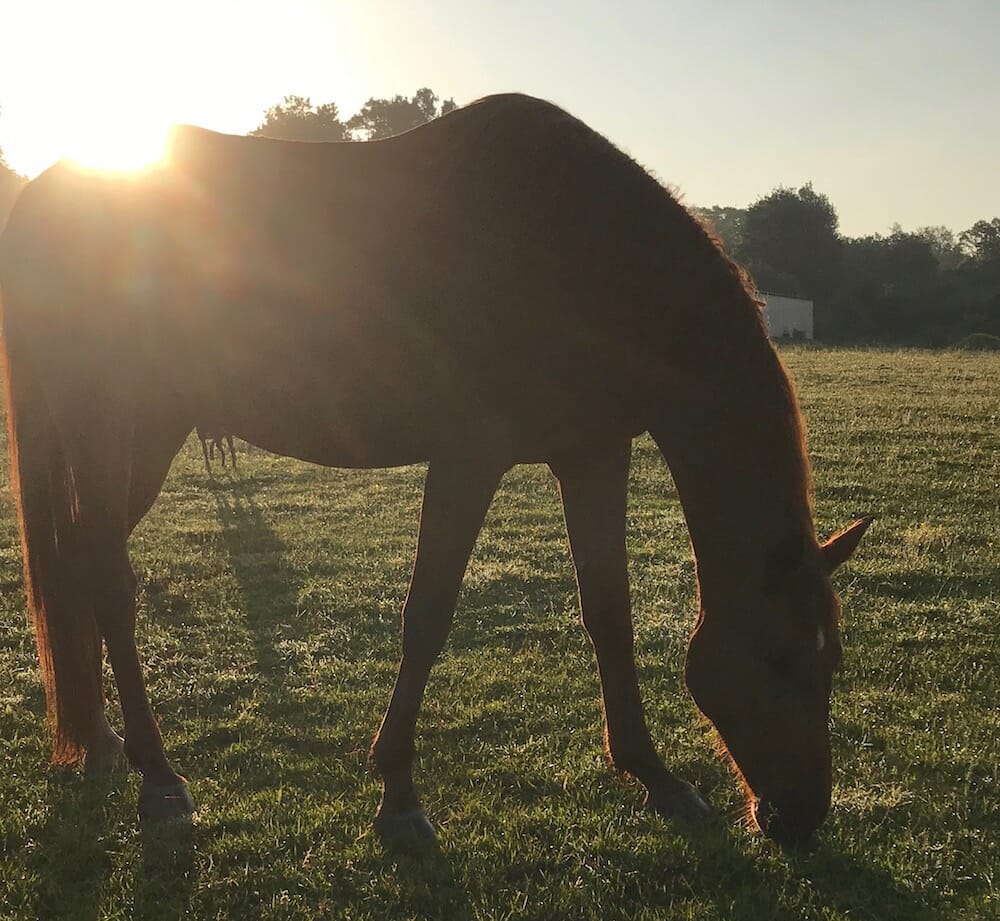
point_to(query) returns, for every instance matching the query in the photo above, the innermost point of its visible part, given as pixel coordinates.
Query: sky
(889, 107)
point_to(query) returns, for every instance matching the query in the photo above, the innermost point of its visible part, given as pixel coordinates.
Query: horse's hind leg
(159, 435)
(594, 490)
(163, 793)
(106, 750)
(115, 488)
(456, 498)
(157, 438)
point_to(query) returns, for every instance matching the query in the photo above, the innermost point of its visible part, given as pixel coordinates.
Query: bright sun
(125, 149)
(95, 146)
(96, 86)
(101, 81)
(103, 85)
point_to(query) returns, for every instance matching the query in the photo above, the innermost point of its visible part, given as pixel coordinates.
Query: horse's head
(761, 670)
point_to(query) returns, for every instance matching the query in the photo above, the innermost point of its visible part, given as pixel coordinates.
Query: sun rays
(101, 82)
(124, 149)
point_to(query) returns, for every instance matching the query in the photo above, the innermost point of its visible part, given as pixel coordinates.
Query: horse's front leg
(594, 487)
(456, 497)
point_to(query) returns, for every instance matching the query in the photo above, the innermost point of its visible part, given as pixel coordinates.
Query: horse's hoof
(165, 802)
(682, 804)
(107, 756)
(405, 828)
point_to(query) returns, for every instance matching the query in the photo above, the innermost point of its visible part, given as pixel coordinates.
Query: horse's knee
(391, 756)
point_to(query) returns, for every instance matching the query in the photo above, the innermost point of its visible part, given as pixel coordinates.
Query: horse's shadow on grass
(923, 585)
(716, 869)
(428, 883)
(269, 587)
(166, 874)
(714, 866)
(266, 582)
(73, 859)
(859, 889)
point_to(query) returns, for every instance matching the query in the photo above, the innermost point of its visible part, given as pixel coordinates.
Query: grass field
(269, 624)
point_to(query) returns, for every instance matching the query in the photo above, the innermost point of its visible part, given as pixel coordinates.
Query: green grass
(269, 628)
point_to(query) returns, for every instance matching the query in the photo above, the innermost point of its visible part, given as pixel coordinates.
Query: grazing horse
(501, 286)
(215, 438)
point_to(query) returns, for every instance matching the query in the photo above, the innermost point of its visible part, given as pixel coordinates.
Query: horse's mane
(730, 322)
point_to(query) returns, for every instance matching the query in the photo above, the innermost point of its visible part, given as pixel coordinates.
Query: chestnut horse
(501, 286)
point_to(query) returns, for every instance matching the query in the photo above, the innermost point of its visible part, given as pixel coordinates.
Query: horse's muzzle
(789, 823)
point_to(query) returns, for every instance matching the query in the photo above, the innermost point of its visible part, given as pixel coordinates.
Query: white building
(788, 317)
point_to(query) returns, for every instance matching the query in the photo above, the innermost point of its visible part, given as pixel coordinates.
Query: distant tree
(382, 118)
(727, 224)
(893, 290)
(974, 287)
(297, 119)
(943, 243)
(982, 240)
(790, 236)
(929, 287)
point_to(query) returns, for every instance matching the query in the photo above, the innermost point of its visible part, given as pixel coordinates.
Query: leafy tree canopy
(297, 119)
(382, 118)
(727, 223)
(943, 243)
(790, 240)
(982, 240)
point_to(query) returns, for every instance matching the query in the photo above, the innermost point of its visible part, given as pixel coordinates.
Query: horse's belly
(336, 441)
(387, 386)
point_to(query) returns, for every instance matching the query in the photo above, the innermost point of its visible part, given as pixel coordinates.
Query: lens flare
(120, 150)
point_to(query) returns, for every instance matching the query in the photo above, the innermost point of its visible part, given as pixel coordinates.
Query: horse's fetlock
(638, 763)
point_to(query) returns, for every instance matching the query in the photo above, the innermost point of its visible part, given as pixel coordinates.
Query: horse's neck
(736, 452)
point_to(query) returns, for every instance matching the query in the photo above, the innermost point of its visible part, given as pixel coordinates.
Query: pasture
(269, 626)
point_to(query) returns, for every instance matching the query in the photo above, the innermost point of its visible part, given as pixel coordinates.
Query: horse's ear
(840, 548)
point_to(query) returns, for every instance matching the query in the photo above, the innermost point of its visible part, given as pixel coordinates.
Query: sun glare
(104, 87)
(126, 147)
(101, 81)
(119, 149)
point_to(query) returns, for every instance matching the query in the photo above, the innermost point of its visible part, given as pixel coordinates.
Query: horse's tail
(59, 596)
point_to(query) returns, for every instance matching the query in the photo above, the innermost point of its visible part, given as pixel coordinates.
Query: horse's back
(501, 272)
(429, 286)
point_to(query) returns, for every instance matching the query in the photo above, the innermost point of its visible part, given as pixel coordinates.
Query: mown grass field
(269, 624)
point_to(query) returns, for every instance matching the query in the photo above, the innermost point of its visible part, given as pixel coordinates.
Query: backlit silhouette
(498, 287)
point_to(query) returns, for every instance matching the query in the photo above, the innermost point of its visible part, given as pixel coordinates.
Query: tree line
(926, 287)
(297, 119)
